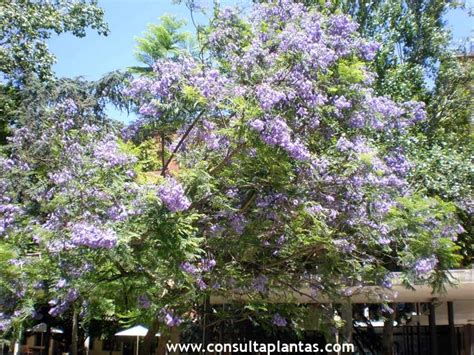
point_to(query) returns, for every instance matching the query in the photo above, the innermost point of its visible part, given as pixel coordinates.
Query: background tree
(25, 27)
(163, 40)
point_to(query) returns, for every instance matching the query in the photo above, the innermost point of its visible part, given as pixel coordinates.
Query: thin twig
(180, 143)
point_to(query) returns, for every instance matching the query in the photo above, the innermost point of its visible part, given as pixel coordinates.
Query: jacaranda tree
(67, 188)
(291, 164)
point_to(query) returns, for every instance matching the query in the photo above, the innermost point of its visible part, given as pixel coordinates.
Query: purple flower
(108, 153)
(215, 230)
(59, 309)
(260, 283)
(257, 125)
(60, 177)
(269, 97)
(314, 210)
(368, 50)
(298, 151)
(132, 129)
(232, 192)
(189, 268)
(143, 301)
(342, 103)
(344, 245)
(424, 266)
(357, 121)
(8, 214)
(278, 133)
(69, 107)
(149, 109)
(208, 264)
(279, 321)
(387, 282)
(341, 25)
(384, 240)
(137, 87)
(238, 223)
(169, 318)
(201, 284)
(343, 144)
(85, 234)
(61, 283)
(5, 322)
(416, 111)
(172, 195)
(72, 295)
(398, 162)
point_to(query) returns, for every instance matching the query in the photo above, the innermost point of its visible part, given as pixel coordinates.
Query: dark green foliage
(25, 25)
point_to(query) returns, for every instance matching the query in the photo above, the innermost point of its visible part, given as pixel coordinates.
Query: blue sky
(95, 55)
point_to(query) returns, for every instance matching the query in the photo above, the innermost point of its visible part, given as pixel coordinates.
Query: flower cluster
(425, 266)
(260, 284)
(143, 301)
(107, 152)
(5, 322)
(59, 306)
(204, 266)
(172, 195)
(169, 317)
(8, 214)
(276, 132)
(85, 234)
(279, 321)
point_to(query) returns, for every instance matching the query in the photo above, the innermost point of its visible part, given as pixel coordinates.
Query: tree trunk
(47, 339)
(387, 341)
(15, 342)
(346, 313)
(146, 348)
(162, 341)
(74, 333)
(175, 338)
(333, 335)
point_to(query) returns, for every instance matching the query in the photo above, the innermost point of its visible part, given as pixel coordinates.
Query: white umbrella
(136, 331)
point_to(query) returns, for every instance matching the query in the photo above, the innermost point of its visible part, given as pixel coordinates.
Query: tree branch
(180, 143)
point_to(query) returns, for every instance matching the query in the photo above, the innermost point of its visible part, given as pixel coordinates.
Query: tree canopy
(288, 152)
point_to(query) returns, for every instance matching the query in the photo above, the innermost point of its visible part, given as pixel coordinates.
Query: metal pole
(418, 329)
(452, 331)
(138, 344)
(433, 335)
(17, 345)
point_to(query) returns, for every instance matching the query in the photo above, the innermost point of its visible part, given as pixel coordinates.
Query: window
(38, 339)
(110, 345)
